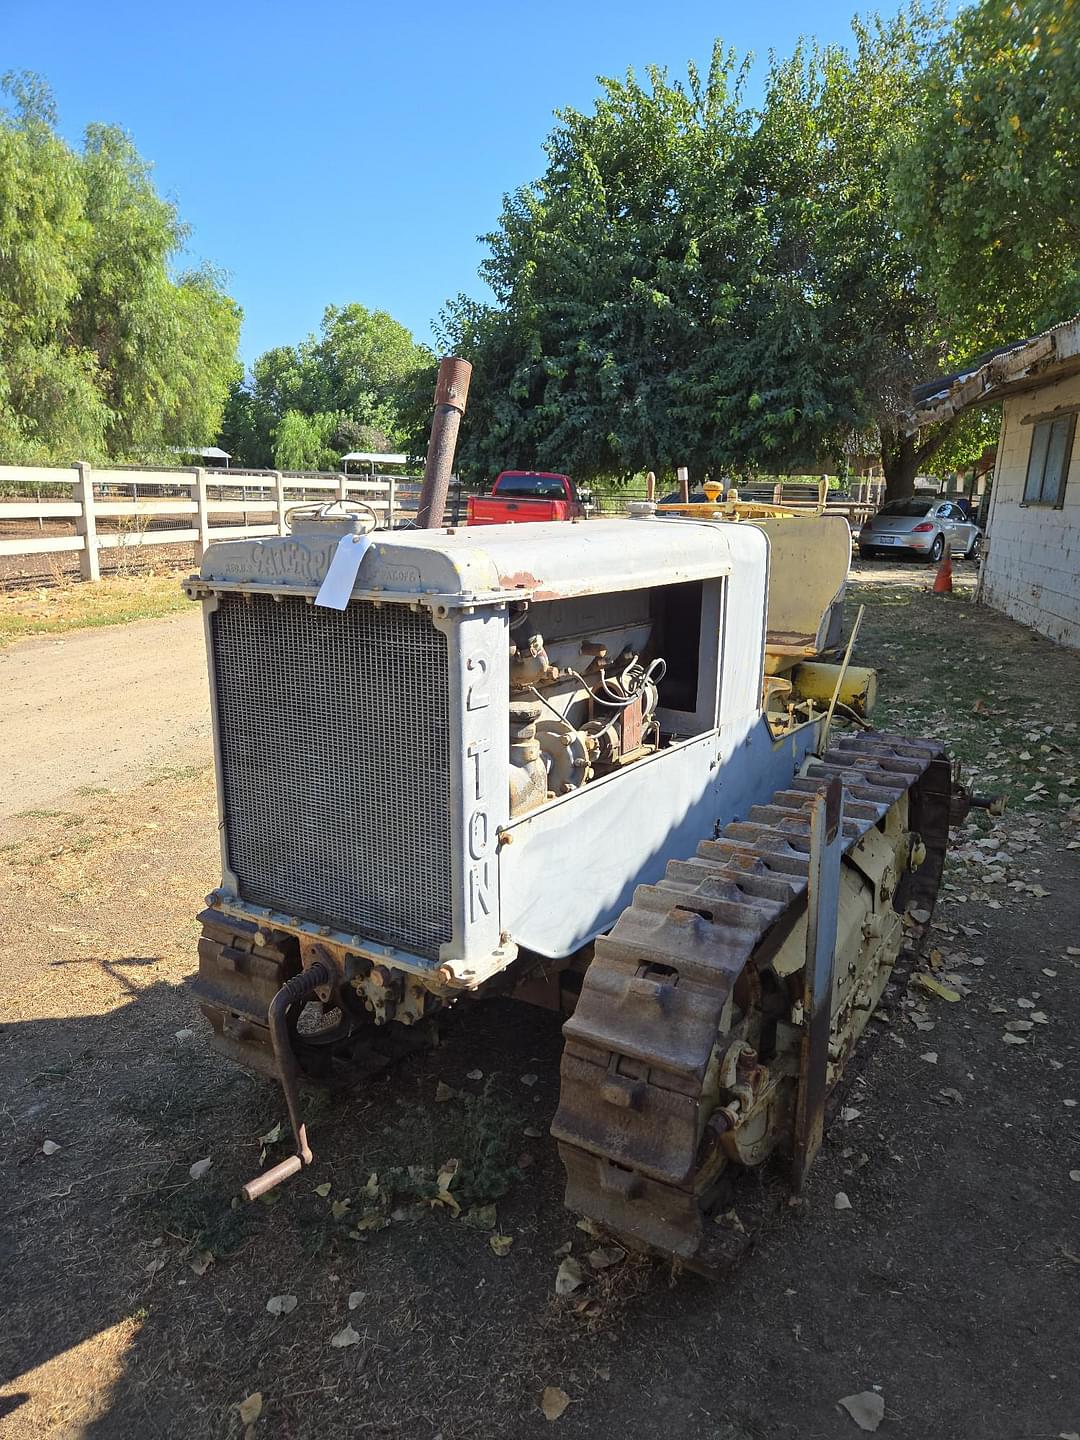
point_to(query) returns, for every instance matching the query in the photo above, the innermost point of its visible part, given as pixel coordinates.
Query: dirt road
(136, 1295)
(97, 707)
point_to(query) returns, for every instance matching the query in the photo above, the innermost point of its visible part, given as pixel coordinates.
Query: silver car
(922, 528)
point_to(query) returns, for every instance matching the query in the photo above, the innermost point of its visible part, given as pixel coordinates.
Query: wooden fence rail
(83, 510)
(175, 506)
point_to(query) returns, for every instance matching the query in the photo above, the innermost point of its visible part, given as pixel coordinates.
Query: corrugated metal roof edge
(977, 382)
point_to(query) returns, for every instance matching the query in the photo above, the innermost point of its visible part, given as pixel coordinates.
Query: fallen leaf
(1026, 1004)
(1074, 1174)
(369, 1222)
(553, 1402)
(849, 1112)
(251, 1408)
(344, 1338)
(49, 1147)
(935, 987)
(323, 1190)
(841, 1202)
(1051, 973)
(1071, 1104)
(443, 1181)
(532, 1131)
(1039, 1017)
(867, 1409)
(529, 1080)
(605, 1256)
(338, 1208)
(272, 1135)
(155, 1265)
(1015, 1039)
(183, 1035)
(590, 1227)
(475, 1075)
(199, 1169)
(443, 1093)
(201, 1261)
(568, 1277)
(563, 1249)
(481, 1217)
(357, 1298)
(281, 1304)
(1019, 1025)
(950, 1093)
(501, 1243)
(930, 1057)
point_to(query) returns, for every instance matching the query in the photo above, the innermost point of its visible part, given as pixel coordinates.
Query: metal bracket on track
(823, 901)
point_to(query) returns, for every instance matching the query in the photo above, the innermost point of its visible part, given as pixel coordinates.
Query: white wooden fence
(105, 509)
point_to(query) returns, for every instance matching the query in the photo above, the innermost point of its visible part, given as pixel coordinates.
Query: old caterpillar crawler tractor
(597, 765)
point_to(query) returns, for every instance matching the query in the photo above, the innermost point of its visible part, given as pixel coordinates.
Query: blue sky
(325, 152)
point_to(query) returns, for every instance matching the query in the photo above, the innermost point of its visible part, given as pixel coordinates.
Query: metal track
(641, 1155)
(241, 969)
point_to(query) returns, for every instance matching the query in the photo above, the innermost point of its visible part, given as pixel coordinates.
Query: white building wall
(1032, 565)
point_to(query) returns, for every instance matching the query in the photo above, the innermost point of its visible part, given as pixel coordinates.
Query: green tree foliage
(302, 442)
(988, 189)
(615, 280)
(104, 353)
(692, 281)
(350, 384)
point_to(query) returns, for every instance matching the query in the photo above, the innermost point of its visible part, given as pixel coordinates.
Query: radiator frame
(477, 685)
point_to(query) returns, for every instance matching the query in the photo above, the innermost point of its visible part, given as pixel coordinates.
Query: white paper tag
(336, 588)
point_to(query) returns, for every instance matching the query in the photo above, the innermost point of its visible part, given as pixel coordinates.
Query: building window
(1048, 464)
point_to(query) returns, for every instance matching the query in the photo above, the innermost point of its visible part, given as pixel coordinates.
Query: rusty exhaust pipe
(300, 987)
(451, 393)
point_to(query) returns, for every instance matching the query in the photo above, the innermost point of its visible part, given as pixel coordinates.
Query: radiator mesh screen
(334, 729)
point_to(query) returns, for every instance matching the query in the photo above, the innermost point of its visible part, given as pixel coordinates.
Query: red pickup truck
(521, 495)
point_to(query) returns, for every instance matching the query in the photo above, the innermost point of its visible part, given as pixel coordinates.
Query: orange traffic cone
(943, 578)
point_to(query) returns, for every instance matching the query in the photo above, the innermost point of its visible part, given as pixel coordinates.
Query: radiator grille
(334, 730)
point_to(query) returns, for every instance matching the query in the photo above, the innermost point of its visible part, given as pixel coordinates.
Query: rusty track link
(241, 968)
(631, 1123)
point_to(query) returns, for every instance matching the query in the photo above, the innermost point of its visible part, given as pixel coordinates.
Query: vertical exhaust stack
(451, 393)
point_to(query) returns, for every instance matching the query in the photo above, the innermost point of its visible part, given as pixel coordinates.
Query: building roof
(208, 452)
(375, 457)
(1021, 365)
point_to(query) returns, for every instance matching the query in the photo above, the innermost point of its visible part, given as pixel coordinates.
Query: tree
(840, 278)
(691, 281)
(302, 442)
(103, 352)
(988, 187)
(358, 371)
(613, 275)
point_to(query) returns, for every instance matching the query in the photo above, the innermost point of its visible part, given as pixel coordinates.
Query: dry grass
(76, 605)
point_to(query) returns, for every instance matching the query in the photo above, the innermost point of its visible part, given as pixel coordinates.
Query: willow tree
(105, 351)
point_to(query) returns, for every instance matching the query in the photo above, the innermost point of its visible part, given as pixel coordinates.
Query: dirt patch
(951, 1282)
(62, 607)
(96, 708)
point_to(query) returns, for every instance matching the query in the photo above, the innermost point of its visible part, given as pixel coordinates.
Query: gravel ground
(135, 1297)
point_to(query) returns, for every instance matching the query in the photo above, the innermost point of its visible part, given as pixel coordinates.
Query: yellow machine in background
(810, 553)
